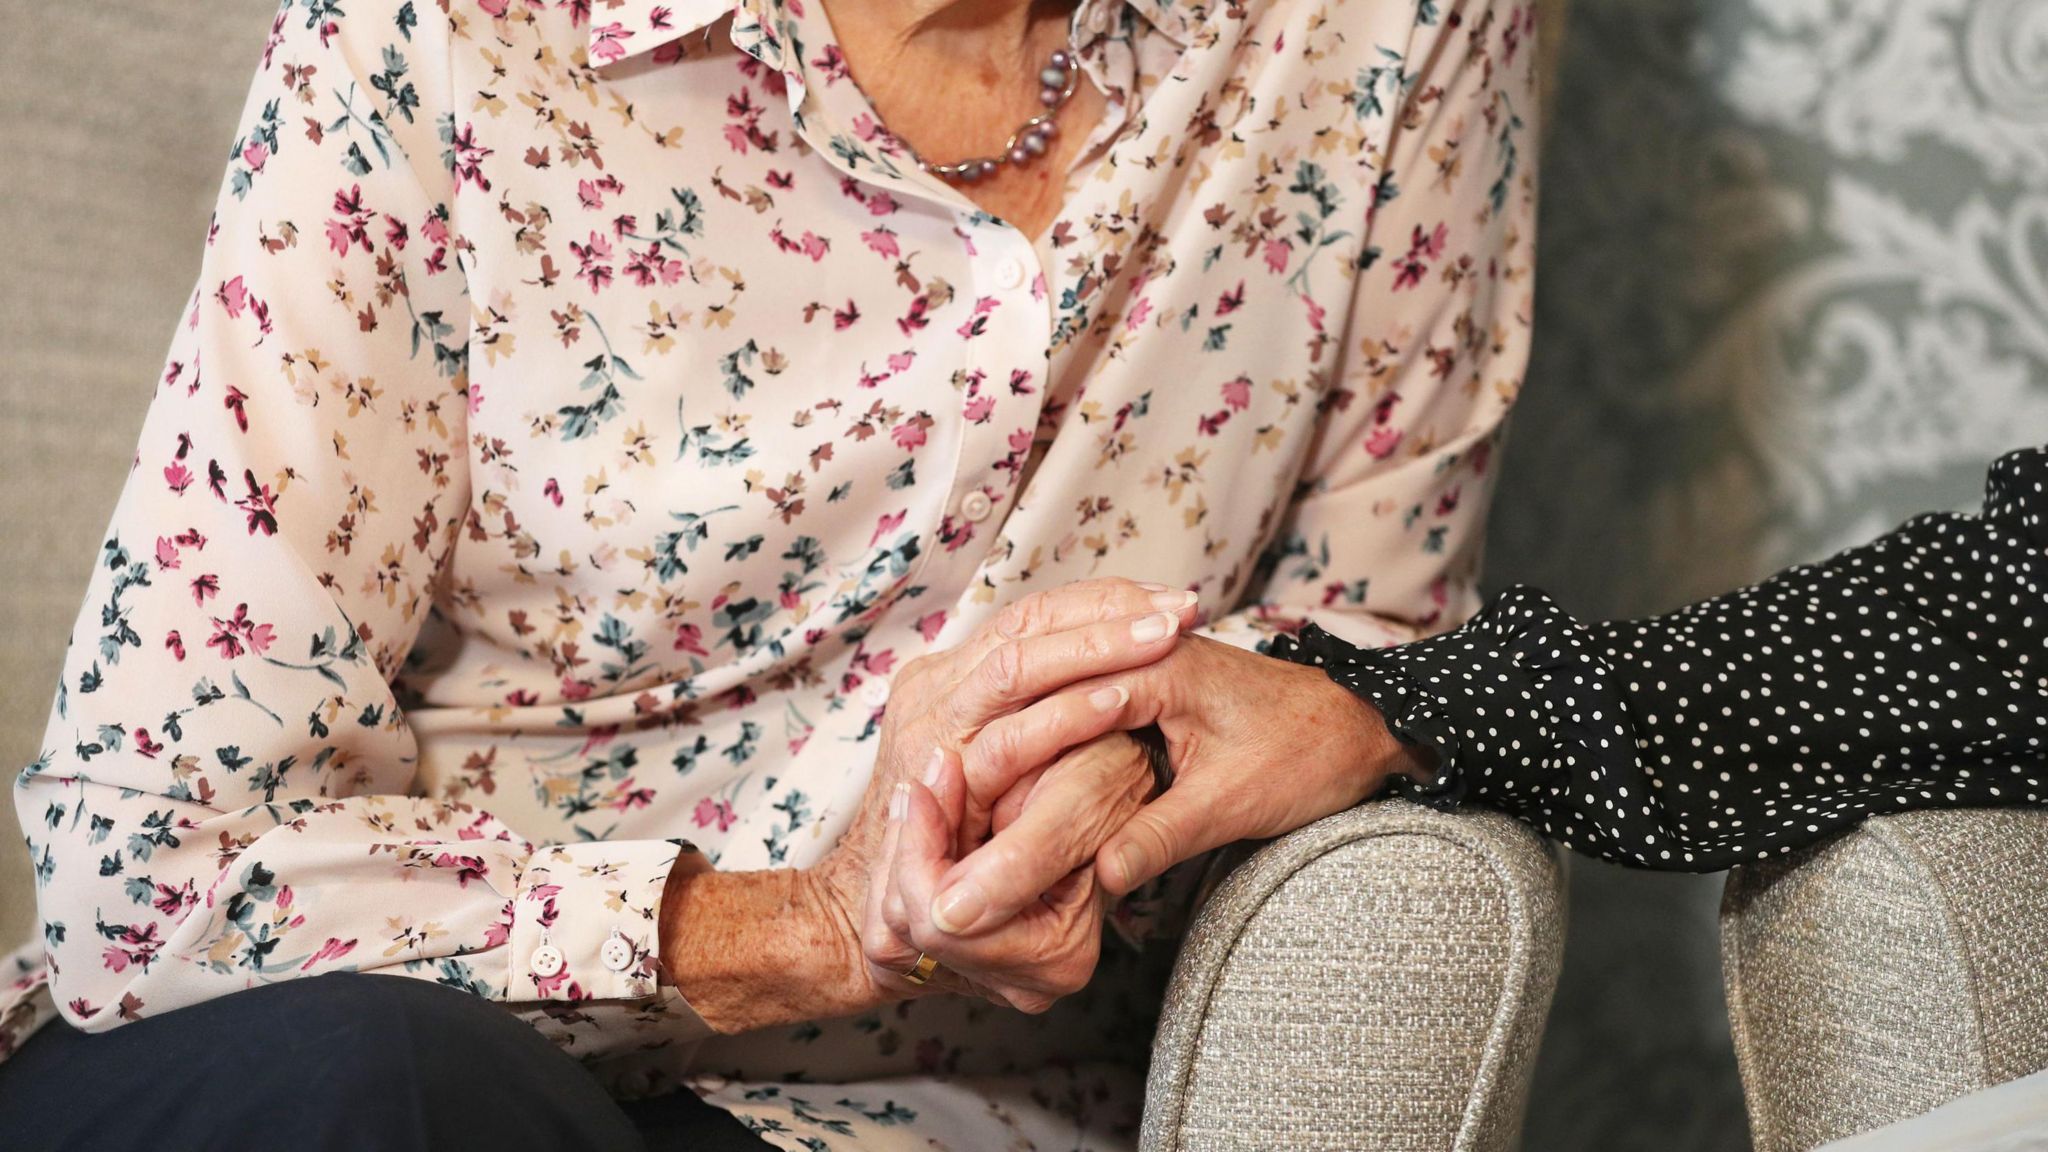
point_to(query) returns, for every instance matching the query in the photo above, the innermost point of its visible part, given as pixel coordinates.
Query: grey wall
(1793, 288)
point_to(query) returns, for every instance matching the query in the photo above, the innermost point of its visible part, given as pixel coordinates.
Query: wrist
(1378, 753)
(752, 950)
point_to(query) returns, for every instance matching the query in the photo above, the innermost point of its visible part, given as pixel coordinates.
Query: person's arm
(1383, 536)
(1910, 672)
(222, 794)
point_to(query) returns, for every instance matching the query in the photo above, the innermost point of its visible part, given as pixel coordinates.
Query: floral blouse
(584, 407)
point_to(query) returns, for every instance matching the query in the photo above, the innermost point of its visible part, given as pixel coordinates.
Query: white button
(976, 506)
(546, 961)
(1010, 273)
(875, 692)
(617, 954)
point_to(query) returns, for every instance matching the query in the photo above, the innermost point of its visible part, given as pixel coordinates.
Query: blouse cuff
(2013, 493)
(1412, 715)
(586, 919)
(1490, 701)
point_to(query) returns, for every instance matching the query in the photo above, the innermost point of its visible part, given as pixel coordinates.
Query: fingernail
(1109, 699)
(1172, 601)
(1150, 628)
(1131, 859)
(958, 907)
(899, 799)
(931, 772)
(1149, 586)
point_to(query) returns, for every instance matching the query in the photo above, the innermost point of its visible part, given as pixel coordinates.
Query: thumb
(1185, 821)
(946, 777)
(924, 845)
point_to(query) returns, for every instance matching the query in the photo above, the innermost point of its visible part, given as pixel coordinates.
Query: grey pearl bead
(1018, 155)
(1032, 143)
(988, 168)
(1053, 77)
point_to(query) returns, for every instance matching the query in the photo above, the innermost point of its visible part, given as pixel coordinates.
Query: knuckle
(1019, 617)
(880, 951)
(1000, 745)
(896, 935)
(923, 937)
(1003, 669)
(1093, 647)
(1125, 594)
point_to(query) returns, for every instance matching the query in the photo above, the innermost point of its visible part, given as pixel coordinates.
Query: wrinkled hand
(1259, 747)
(1048, 948)
(1027, 656)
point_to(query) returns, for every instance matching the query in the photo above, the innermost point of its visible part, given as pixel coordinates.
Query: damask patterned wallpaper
(1793, 288)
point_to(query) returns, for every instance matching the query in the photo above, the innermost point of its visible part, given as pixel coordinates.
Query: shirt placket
(1003, 322)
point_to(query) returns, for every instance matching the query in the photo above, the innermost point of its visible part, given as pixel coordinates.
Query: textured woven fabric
(1877, 976)
(1378, 980)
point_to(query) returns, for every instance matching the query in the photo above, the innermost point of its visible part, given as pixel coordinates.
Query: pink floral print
(584, 406)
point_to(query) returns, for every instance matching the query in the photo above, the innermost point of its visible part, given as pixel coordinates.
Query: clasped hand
(1008, 806)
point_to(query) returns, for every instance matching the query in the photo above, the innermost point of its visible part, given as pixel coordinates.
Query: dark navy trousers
(341, 1061)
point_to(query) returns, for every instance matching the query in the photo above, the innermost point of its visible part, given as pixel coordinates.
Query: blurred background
(1793, 289)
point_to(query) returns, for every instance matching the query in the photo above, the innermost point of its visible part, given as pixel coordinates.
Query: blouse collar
(625, 29)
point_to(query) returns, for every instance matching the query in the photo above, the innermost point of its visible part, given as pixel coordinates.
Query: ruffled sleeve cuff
(2016, 493)
(1492, 703)
(1413, 716)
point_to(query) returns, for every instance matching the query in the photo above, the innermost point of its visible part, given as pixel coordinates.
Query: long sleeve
(222, 796)
(1905, 673)
(1382, 536)
(1385, 528)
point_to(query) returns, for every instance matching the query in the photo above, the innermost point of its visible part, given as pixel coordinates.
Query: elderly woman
(612, 445)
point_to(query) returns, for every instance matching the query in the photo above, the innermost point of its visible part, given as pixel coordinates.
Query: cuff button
(546, 961)
(617, 954)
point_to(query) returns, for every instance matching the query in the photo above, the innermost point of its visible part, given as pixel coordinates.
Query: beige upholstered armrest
(1878, 975)
(1376, 980)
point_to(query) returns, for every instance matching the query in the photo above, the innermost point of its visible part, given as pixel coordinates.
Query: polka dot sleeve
(1911, 672)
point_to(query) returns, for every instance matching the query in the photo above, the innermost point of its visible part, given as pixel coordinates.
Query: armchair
(1888, 971)
(1378, 979)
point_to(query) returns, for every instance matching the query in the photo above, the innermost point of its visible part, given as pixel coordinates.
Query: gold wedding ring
(922, 970)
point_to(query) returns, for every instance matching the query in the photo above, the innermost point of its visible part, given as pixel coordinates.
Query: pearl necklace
(1030, 141)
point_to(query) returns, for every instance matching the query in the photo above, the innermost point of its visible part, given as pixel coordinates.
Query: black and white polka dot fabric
(1911, 672)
